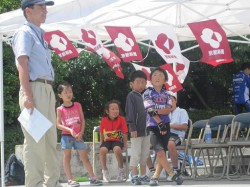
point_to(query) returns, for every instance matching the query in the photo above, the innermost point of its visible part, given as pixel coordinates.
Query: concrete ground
(186, 183)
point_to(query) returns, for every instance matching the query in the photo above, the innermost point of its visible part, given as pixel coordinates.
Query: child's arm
(62, 127)
(155, 115)
(79, 135)
(165, 111)
(125, 140)
(131, 116)
(101, 137)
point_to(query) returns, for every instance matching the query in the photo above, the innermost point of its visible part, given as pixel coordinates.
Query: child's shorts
(175, 138)
(157, 140)
(111, 144)
(69, 142)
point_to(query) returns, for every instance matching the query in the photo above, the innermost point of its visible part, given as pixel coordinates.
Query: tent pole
(239, 41)
(1, 112)
(190, 48)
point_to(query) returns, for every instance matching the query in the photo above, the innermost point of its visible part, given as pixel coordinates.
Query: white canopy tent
(71, 15)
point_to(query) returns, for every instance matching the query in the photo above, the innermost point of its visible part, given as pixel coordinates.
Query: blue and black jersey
(241, 85)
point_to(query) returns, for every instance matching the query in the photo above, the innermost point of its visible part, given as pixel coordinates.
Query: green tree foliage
(9, 5)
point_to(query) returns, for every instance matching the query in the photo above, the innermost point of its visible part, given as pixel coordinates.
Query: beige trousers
(41, 163)
(140, 149)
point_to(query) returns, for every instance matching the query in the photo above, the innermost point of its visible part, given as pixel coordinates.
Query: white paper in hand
(35, 124)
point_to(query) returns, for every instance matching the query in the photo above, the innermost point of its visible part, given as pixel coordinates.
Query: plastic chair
(96, 148)
(239, 140)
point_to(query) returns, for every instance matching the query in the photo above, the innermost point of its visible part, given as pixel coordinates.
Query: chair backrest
(200, 124)
(244, 119)
(220, 120)
(190, 129)
(240, 122)
(220, 124)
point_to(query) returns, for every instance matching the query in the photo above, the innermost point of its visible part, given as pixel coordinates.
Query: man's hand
(29, 104)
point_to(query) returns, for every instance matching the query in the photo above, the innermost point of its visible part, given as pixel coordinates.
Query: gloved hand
(162, 126)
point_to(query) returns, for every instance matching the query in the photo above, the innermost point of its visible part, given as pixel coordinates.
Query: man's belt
(43, 81)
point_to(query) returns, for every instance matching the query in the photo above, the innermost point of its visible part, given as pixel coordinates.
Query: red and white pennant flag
(95, 44)
(60, 43)
(166, 43)
(213, 42)
(125, 43)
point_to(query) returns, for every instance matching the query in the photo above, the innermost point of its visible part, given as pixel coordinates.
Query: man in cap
(36, 75)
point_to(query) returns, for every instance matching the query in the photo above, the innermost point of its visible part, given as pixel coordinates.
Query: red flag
(125, 43)
(95, 45)
(173, 84)
(60, 43)
(113, 61)
(182, 69)
(212, 41)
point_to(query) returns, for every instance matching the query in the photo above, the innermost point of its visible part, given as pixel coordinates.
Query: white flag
(166, 43)
(181, 70)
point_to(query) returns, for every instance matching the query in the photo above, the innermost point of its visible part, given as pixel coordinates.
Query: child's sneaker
(176, 171)
(73, 183)
(151, 172)
(154, 181)
(169, 179)
(145, 180)
(178, 179)
(106, 177)
(95, 182)
(121, 175)
(135, 181)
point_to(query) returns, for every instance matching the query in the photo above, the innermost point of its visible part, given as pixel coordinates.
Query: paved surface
(187, 183)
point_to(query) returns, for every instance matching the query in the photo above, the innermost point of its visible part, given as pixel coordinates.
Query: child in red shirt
(113, 136)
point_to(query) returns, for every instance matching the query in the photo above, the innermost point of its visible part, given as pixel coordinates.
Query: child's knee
(103, 151)
(117, 150)
(171, 145)
(161, 154)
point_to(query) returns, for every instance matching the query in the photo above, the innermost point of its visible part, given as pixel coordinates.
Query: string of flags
(209, 35)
